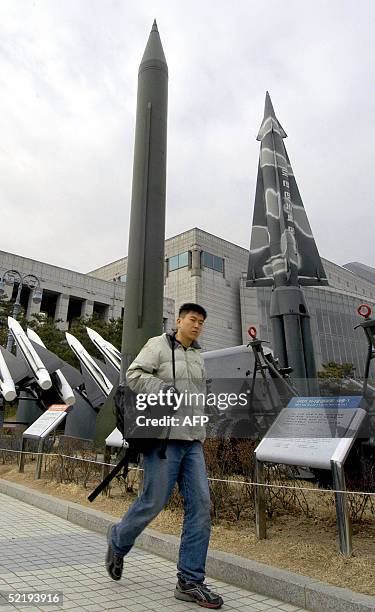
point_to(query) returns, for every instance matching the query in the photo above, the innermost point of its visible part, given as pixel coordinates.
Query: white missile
(90, 364)
(7, 388)
(110, 352)
(30, 355)
(65, 390)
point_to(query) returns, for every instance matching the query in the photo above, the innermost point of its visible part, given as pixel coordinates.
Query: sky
(68, 83)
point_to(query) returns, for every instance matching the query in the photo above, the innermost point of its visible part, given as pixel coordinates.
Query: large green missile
(143, 314)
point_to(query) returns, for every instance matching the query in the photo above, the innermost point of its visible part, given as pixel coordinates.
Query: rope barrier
(9, 450)
(237, 482)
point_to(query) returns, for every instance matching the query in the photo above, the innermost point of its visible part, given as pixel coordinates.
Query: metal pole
(15, 313)
(343, 520)
(31, 281)
(21, 467)
(39, 459)
(260, 506)
(105, 468)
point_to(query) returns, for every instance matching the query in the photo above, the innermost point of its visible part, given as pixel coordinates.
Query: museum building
(203, 268)
(211, 271)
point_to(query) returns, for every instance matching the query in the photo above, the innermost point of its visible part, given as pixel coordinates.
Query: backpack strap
(163, 448)
(123, 463)
(173, 360)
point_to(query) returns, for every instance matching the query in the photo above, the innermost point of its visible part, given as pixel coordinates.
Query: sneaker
(113, 562)
(198, 592)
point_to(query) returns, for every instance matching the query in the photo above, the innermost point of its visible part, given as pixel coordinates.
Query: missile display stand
(368, 326)
(265, 363)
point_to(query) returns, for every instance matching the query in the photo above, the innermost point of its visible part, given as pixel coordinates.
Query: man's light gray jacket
(152, 370)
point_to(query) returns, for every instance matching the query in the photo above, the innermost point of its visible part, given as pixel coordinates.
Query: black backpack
(126, 412)
(141, 439)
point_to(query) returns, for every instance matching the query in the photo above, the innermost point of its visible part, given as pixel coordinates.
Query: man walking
(152, 372)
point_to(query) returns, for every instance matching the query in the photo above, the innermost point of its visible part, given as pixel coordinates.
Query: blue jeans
(184, 464)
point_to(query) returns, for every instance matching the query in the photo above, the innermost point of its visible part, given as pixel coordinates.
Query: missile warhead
(89, 364)
(283, 251)
(31, 357)
(7, 388)
(110, 352)
(64, 388)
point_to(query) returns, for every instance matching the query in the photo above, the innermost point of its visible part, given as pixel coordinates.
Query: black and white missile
(90, 365)
(28, 352)
(145, 271)
(97, 375)
(283, 253)
(110, 352)
(63, 387)
(7, 386)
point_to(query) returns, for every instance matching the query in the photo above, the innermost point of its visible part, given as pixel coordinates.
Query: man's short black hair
(191, 307)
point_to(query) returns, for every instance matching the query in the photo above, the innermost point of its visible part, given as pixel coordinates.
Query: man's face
(190, 325)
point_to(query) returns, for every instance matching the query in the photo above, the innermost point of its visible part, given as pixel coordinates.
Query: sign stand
(330, 426)
(39, 459)
(105, 469)
(39, 430)
(21, 464)
(343, 521)
(260, 504)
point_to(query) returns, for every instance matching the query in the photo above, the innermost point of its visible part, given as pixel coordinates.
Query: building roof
(361, 270)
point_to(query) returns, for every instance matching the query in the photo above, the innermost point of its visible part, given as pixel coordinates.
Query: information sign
(312, 430)
(47, 422)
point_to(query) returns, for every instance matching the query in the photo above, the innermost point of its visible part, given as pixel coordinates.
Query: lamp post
(29, 280)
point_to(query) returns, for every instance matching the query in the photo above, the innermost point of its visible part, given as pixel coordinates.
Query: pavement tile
(246, 608)
(272, 602)
(258, 605)
(259, 597)
(44, 552)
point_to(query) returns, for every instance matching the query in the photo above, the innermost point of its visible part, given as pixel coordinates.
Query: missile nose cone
(268, 107)
(69, 337)
(153, 56)
(270, 119)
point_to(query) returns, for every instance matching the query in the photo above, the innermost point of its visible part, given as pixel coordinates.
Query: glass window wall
(212, 261)
(178, 261)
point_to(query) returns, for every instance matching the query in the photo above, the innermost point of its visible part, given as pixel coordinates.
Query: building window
(122, 278)
(212, 261)
(178, 261)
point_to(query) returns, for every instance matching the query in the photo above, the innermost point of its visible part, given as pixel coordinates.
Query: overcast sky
(68, 81)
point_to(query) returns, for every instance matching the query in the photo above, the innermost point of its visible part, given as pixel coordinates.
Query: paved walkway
(41, 552)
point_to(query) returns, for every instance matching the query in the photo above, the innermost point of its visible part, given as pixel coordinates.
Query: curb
(291, 588)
